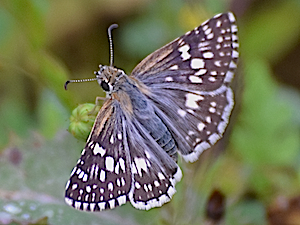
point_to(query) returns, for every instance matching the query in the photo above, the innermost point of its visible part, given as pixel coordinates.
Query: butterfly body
(177, 100)
(133, 97)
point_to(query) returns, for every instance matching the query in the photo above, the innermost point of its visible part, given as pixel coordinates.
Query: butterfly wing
(189, 82)
(102, 177)
(154, 172)
(121, 162)
(196, 120)
(202, 59)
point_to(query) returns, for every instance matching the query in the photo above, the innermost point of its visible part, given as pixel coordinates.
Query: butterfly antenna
(113, 26)
(79, 81)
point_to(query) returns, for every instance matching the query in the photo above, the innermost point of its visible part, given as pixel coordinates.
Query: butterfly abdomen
(152, 124)
(168, 144)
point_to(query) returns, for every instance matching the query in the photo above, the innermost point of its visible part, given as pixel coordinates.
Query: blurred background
(253, 177)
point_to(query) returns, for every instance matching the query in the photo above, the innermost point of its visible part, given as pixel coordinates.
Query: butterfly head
(107, 77)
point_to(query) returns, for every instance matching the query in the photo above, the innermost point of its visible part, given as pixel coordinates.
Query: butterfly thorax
(132, 96)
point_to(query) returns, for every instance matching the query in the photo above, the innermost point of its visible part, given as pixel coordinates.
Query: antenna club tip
(113, 26)
(66, 84)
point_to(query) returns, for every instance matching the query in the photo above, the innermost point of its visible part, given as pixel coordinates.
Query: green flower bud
(82, 120)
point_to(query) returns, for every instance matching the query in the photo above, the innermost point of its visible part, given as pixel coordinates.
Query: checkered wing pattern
(189, 83)
(121, 162)
(102, 177)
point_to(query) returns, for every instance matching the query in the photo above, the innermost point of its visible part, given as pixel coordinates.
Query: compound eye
(105, 86)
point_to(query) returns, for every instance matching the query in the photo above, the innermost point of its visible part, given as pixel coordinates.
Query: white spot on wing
(228, 77)
(77, 205)
(161, 176)
(109, 163)
(181, 112)
(122, 164)
(80, 176)
(235, 45)
(208, 119)
(220, 39)
(201, 126)
(121, 199)
(213, 138)
(112, 140)
(212, 110)
(195, 79)
(208, 55)
(74, 186)
(197, 63)
(101, 205)
(169, 79)
(117, 168)
(212, 79)
(235, 54)
(123, 181)
(184, 52)
(92, 206)
(110, 186)
(140, 165)
(217, 63)
(234, 28)
(201, 72)
(191, 100)
(118, 182)
(137, 185)
(175, 67)
(208, 31)
(102, 175)
(88, 188)
(120, 136)
(210, 36)
(232, 65)
(99, 149)
(231, 17)
(85, 178)
(112, 203)
(73, 171)
(69, 201)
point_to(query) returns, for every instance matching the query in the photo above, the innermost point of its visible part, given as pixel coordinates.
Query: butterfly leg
(97, 104)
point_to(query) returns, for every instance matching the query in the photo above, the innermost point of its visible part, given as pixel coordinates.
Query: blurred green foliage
(43, 43)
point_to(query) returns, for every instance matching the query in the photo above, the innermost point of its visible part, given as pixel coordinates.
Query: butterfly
(177, 101)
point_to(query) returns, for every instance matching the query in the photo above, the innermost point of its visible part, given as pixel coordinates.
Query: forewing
(202, 59)
(188, 82)
(102, 177)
